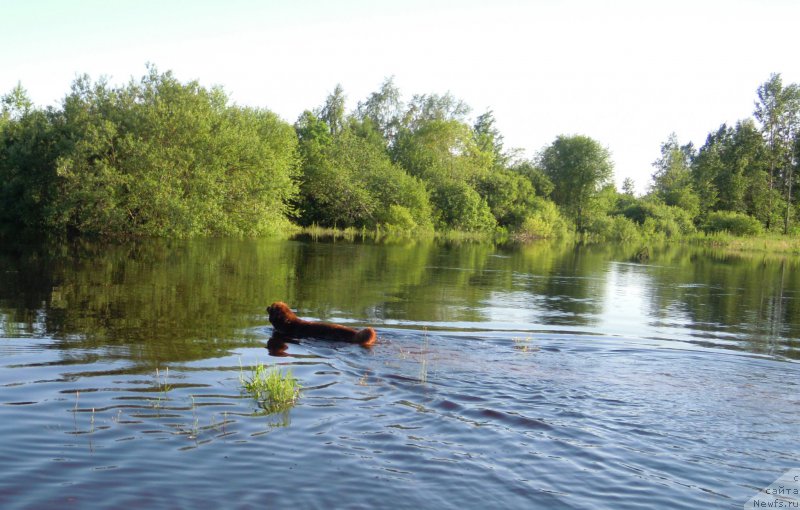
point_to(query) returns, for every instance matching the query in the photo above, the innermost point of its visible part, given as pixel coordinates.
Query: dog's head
(280, 314)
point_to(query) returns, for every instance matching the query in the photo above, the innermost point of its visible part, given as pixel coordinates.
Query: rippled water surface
(540, 377)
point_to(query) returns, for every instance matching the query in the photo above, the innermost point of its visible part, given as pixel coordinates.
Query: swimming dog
(287, 323)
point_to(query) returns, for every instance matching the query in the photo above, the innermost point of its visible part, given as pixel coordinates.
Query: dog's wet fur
(285, 322)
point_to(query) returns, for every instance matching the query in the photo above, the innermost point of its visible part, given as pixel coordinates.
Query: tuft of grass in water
(195, 429)
(524, 344)
(163, 389)
(423, 365)
(277, 391)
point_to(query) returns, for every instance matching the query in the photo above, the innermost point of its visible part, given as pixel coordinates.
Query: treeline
(743, 178)
(158, 157)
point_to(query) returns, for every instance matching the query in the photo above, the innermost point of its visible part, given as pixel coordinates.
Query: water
(541, 377)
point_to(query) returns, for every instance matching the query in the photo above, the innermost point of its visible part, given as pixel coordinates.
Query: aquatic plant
(524, 344)
(270, 386)
(163, 389)
(195, 428)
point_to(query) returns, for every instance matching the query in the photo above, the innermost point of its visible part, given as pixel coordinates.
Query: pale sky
(626, 73)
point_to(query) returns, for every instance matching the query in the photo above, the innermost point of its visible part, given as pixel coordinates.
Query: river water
(546, 376)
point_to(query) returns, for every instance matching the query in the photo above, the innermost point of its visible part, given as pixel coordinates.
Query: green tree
(708, 169)
(441, 147)
(444, 154)
(629, 187)
(509, 195)
(424, 108)
(192, 165)
(311, 128)
(626, 198)
(733, 164)
(535, 175)
(746, 160)
(460, 207)
(15, 104)
(489, 140)
(778, 111)
(156, 157)
(672, 181)
(382, 111)
(579, 167)
(349, 181)
(333, 111)
(30, 142)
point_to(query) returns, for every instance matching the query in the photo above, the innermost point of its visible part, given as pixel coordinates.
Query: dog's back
(286, 322)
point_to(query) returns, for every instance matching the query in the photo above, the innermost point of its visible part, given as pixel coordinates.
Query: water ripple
(446, 418)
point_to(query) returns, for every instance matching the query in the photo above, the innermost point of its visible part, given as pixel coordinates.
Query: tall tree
(708, 169)
(349, 182)
(732, 169)
(541, 183)
(489, 139)
(778, 111)
(443, 153)
(672, 181)
(629, 187)
(382, 109)
(748, 157)
(579, 168)
(441, 147)
(16, 103)
(433, 107)
(30, 142)
(332, 111)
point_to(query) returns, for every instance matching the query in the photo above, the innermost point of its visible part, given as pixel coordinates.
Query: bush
(349, 182)
(624, 230)
(153, 158)
(734, 223)
(510, 196)
(544, 222)
(613, 228)
(398, 219)
(660, 219)
(458, 206)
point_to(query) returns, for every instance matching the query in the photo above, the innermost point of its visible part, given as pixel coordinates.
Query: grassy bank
(766, 243)
(762, 243)
(380, 234)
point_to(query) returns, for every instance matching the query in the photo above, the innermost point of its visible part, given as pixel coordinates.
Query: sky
(626, 73)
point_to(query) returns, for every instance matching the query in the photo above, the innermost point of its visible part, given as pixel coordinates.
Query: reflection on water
(540, 376)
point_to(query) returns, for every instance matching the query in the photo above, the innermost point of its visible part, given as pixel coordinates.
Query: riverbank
(764, 243)
(767, 243)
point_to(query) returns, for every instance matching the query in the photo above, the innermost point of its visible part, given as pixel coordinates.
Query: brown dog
(287, 323)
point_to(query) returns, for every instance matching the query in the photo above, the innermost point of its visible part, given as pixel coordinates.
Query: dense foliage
(155, 158)
(158, 157)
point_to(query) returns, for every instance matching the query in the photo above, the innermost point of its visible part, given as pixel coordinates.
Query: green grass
(381, 233)
(764, 243)
(270, 386)
(772, 243)
(348, 234)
